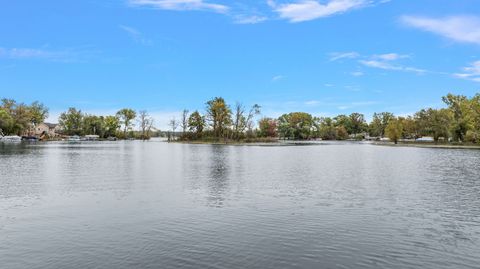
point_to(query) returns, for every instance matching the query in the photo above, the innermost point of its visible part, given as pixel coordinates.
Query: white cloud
(459, 28)
(386, 65)
(66, 55)
(244, 19)
(136, 35)
(390, 56)
(378, 64)
(277, 78)
(306, 10)
(471, 72)
(27, 53)
(182, 5)
(387, 61)
(343, 55)
(357, 74)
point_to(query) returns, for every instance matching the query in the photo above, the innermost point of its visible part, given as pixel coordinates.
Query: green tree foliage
(19, 118)
(196, 123)
(379, 123)
(410, 128)
(38, 113)
(111, 125)
(126, 117)
(93, 125)
(296, 125)
(71, 122)
(6, 121)
(341, 132)
(394, 129)
(345, 121)
(219, 116)
(327, 129)
(357, 123)
(434, 122)
(267, 127)
(463, 118)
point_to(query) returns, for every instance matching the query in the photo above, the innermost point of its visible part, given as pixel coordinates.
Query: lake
(133, 204)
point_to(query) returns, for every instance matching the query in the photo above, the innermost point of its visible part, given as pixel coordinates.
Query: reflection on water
(157, 205)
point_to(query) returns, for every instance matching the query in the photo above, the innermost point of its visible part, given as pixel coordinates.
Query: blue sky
(324, 57)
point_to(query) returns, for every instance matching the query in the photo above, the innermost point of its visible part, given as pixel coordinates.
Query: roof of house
(51, 125)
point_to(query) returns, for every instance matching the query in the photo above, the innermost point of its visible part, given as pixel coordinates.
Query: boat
(74, 138)
(30, 138)
(92, 138)
(9, 138)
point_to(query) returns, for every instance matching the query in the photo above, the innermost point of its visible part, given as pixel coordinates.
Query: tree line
(120, 125)
(20, 118)
(458, 122)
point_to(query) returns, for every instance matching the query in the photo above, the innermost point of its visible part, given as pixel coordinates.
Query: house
(49, 129)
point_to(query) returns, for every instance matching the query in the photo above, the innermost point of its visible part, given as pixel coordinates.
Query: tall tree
(459, 105)
(345, 121)
(326, 128)
(174, 125)
(196, 123)
(219, 116)
(243, 121)
(6, 122)
(38, 113)
(146, 123)
(267, 127)
(112, 124)
(184, 121)
(357, 123)
(296, 125)
(93, 125)
(126, 116)
(71, 121)
(394, 130)
(379, 123)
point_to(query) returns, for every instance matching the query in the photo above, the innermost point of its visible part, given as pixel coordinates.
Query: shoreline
(424, 145)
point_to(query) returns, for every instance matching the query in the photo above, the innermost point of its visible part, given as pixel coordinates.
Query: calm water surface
(158, 205)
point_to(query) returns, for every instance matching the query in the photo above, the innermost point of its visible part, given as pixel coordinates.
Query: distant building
(49, 129)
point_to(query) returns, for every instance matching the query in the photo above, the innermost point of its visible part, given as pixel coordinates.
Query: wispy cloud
(343, 55)
(66, 55)
(277, 78)
(357, 73)
(390, 56)
(471, 72)
(458, 28)
(386, 65)
(249, 19)
(181, 5)
(136, 35)
(305, 10)
(387, 61)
